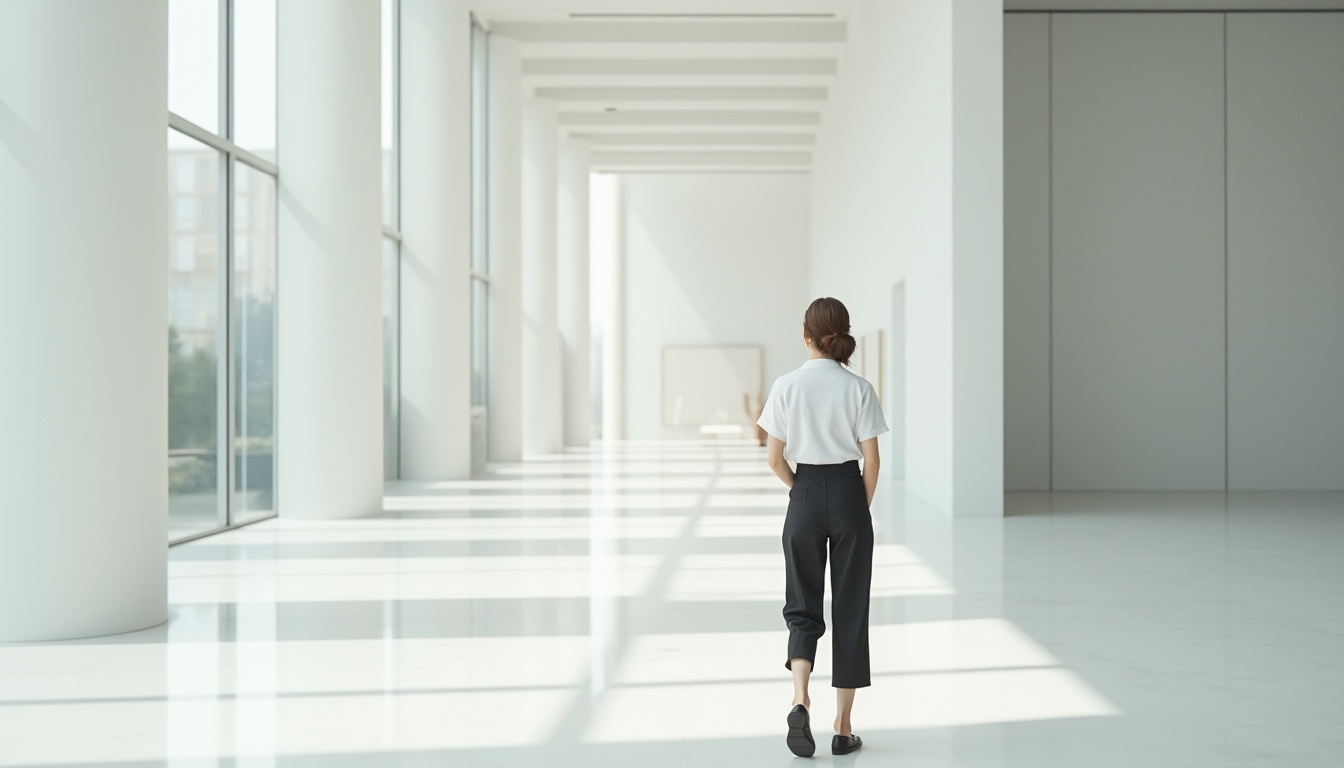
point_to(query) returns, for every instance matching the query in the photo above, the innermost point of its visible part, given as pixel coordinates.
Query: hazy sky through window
(193, 68)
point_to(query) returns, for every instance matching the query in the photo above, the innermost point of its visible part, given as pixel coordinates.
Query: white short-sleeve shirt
(821, 412)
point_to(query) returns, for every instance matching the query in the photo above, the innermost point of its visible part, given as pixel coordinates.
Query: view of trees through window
(195, 288)
(222, 264)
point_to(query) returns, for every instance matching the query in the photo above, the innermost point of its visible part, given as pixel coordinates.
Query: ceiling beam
(724, 117)
(741, 158)
(662, 31)
(630, 50)
(600, 140)
(707, 68)
(674, 93)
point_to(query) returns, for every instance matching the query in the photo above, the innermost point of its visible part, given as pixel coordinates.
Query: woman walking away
(823, 418)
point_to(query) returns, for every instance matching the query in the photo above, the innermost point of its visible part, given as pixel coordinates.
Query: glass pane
(391, 351)
(254, 343)
(479, 341)
(480, 148)
(194, 295)
(193, 61)
(389, 90)
(254, 76)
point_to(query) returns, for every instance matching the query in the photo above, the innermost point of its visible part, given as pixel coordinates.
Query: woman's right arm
(775, 458)
(871, 465)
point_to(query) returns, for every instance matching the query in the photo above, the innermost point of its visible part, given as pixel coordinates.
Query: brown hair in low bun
(826, 323)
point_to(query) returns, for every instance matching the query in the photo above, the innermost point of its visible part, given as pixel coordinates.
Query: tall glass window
(222, 182)
(480, 315)
(480, 150)
(391, 250)
(391, 359)
(480, 218)
(389, 111)
(195, 338)
(254, 76)
(194, 61)
(254, 268)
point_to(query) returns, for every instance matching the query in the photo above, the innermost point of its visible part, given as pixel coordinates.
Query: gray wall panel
(1026, 246)
(1286, 250)
(1138, 251)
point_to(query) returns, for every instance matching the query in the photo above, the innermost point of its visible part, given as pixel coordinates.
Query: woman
(824, 418)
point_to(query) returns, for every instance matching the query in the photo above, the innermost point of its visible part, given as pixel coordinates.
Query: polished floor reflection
(620, 606)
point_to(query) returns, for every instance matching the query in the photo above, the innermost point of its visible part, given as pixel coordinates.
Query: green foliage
(192, 395)
(193, 399)
(192, 474)
(255, 383)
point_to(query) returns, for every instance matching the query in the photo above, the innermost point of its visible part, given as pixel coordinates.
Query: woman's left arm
(871, 465)
(775, 458)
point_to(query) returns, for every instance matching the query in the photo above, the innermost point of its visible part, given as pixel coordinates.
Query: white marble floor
(621, 607)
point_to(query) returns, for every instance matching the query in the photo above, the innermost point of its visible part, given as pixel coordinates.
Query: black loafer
(843, 745)
(800, 733)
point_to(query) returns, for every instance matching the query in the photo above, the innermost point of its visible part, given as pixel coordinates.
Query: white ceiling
(681, 85)
(713, 85)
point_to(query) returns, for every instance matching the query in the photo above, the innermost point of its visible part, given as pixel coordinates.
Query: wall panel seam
(1050, 251)
(1227, 330)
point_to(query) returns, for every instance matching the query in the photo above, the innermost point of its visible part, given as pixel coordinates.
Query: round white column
(572, 280)
(436, 240)
(330, 386)
(506, 276)
(83, 317)
(542, 386)
(608, 240)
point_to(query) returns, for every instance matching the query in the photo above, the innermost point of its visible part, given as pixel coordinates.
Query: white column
(436, 240)
(329, 404)
(541, 339)
(608, 240)
(951, 193)
(572, 281)
(506, 297)
(977, 258)
(83, 308)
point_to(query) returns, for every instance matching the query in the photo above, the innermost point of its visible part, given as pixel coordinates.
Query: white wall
(1026, 251)
(1286, 251)
(894, 407)
(1137, 226)
(906, 187)
(922, 225)
(856, 253)
(1173, 303)
(977, 258)
(710, 260)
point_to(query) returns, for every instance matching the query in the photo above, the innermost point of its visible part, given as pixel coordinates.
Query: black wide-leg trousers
(828, 513)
